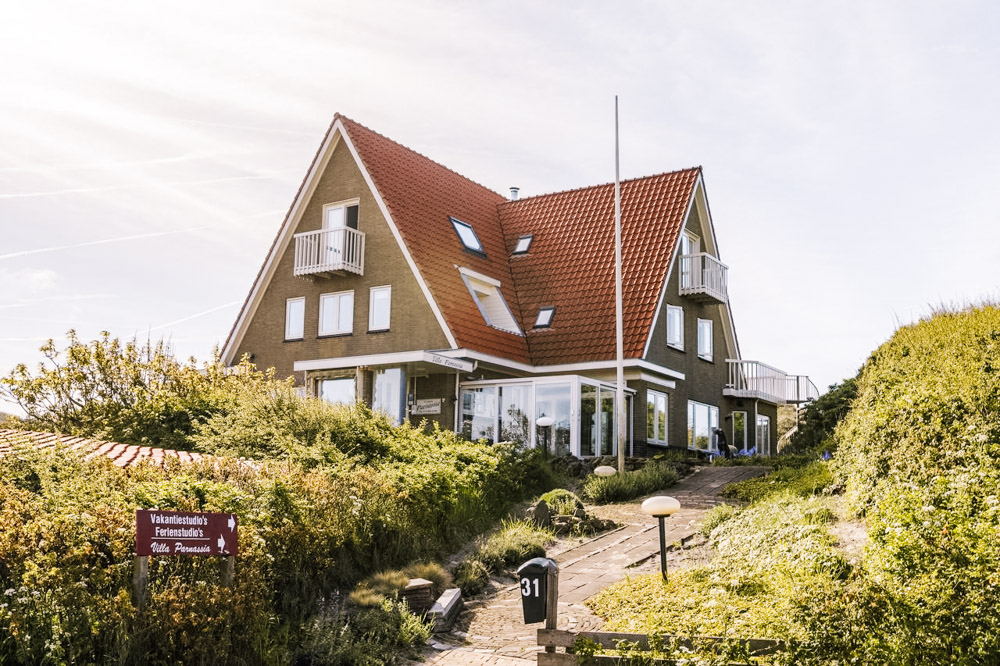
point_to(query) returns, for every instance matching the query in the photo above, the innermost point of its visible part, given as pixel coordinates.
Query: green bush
(562, 501)
(381, 634)
(433, 572)
(820, 418)
(715, 517)
(801, 481)
(652, 477)
(472, 577)
(515, 542)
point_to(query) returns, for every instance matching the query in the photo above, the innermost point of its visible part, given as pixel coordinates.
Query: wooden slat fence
(557, 638)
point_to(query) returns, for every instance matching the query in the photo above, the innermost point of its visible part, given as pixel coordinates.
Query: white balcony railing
(704, 277)
(329, 251)
(755, 380)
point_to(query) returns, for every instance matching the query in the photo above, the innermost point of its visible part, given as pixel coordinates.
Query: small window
(337, 391)
(675, 326)
(336, 313)
(523, 243)
(378, 308)
(338, 215)
(656, 417)
(544, 318)
(295, 314)
(702, 419)
(467, 235)
(705, 339)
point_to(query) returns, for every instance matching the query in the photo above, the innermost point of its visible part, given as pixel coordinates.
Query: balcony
(329, 251)
(757, 381)
(704, 278)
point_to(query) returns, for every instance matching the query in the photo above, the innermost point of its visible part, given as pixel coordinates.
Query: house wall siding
(412, 322)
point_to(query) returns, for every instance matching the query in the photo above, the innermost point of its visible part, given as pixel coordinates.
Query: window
(544, 319)
(387, 393)
(656, 417)
(701, 419)
(675, 326)
(336, 313)
(523, 243)
(740, 430)
(705, 339)
(763, 434)
(467, 235)
(378, 308)
(337, 391)
(343, 214)
(485, 292)
(295, 315)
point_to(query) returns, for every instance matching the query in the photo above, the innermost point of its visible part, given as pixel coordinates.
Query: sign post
(182, 533)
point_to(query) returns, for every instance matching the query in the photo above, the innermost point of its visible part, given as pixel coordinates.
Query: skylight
(523, 243)
(467, 235)
(544, 319)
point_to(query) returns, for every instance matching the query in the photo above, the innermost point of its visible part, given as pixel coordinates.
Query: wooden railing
(756, 380)
(705, 277)
(570, 640)
(329, 251)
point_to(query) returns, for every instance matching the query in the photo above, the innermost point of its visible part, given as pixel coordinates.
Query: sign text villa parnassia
(185, 533)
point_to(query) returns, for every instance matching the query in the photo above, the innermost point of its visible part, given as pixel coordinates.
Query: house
(396, 281)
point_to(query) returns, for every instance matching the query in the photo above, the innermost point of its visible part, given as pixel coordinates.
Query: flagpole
(619, 352)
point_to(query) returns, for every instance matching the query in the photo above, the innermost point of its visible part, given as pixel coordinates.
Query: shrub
(382, 634)
(715, 517)
(801, 481)
(515, 542)
(619, 487)
(820, 418)
(433, 572)
(562, 501)
(472, 577)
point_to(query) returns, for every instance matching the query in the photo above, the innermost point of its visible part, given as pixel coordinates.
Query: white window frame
(371, 307)
(343, 205)
(679, 343)
(300, 325)
(704, 354)
(656, 416)
(763, 448)
(482, 287)
(340, 327)
(713, 422)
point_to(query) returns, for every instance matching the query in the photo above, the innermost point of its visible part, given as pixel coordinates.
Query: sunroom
(566, 414)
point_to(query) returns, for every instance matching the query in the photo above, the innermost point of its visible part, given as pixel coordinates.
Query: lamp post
(546, 422)
(661, 507)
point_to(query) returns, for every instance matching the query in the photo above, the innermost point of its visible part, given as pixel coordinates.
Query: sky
(149, 151)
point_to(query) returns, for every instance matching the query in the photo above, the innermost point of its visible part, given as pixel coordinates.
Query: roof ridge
(592, 187)
(341, 116)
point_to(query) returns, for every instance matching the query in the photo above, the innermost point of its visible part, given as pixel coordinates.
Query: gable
(335, 176)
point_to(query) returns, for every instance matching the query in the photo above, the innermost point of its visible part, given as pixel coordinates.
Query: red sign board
(184, 533)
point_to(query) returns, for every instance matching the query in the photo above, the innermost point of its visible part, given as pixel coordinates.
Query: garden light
(661, 507)
(605, 470)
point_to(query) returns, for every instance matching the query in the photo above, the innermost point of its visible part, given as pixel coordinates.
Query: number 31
(526, 587)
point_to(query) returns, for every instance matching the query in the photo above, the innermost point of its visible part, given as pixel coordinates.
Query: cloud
(119, 239)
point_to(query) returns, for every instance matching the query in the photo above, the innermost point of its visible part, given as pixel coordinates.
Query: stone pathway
(491, 632)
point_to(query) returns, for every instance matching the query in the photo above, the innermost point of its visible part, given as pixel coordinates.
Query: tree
(134, 393)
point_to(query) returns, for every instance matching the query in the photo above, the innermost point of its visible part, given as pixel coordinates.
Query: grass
(800, 481)
(514, 543)
(620, 487)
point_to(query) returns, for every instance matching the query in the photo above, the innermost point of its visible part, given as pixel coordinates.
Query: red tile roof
(122, 455)
(570, 264)
(421, 195)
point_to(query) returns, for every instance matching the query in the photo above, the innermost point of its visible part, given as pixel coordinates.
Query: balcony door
(689, 247)
(336, 218)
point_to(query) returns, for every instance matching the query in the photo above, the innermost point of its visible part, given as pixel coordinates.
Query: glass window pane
(661, 418)
(515, 414)
(701, 427)
(338, 391)
(690, 424)
(705, 346)
(387, 395)
(346, 314)
(554, 400)
(379, 306)
(467, 235)
(588, 420)
(295, 312)
(479, 413)
(740, 430)
(609, 434)
(675, 326)
(650, 415)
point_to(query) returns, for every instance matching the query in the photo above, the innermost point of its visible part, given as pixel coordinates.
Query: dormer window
(467, 235)
(485, 292)
(544, 318)
(523, 243)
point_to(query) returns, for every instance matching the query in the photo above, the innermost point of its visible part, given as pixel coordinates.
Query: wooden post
(228, 570)
(552, 603)
(140, 580)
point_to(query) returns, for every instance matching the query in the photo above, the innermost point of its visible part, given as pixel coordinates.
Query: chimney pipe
(514, 192)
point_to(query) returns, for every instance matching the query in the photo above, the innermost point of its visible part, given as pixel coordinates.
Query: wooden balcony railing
(703, 277)
(330, 251)
(755, 380)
